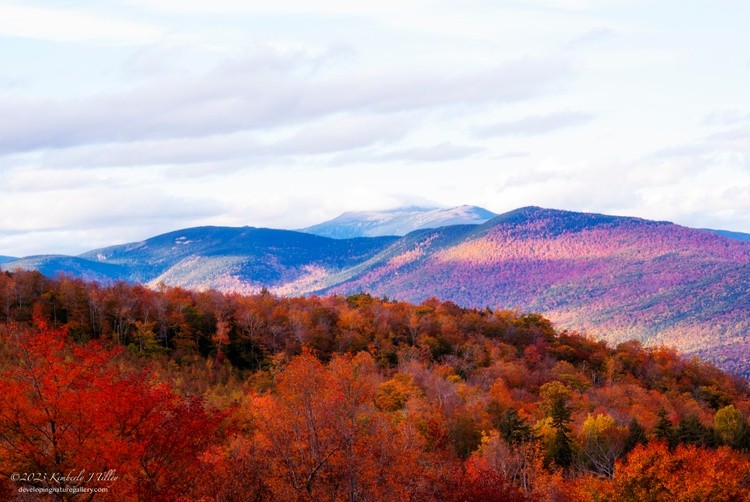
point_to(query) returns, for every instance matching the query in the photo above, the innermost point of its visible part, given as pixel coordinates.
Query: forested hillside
(172, 394)
(614, 277)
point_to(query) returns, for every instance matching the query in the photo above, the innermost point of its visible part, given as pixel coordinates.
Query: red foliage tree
(69, 410)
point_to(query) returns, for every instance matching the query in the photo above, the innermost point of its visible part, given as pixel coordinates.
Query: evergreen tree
(692, 431)
(636, 435)
(561, 448)
(664, 430)
(513, 428)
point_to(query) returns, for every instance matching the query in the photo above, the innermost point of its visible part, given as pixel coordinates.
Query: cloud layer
(123, 120)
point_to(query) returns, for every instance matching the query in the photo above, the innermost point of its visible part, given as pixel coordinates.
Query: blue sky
(120, 120)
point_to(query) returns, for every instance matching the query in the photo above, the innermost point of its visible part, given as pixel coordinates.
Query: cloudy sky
(123, 119)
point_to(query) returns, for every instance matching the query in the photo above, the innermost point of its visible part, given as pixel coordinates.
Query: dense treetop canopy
(203, 395)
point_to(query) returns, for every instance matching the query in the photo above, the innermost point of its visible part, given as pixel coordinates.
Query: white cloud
(726, 117)
(246, 97)
(593, 36)
(99, 207)
(327, 136)
(68, 26)
(534, 125)
(441, 152)
(123, 119)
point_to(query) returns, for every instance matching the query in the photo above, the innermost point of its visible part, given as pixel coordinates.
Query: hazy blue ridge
(739, 236)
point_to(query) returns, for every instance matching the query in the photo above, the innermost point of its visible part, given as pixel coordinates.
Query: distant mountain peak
(398, 221)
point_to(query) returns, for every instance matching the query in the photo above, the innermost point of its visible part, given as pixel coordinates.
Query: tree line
(186, 395)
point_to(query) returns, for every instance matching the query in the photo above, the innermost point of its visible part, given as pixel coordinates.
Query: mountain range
(615, 278)
(400, 221)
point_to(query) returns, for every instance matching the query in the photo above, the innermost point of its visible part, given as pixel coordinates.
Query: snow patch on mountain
(400, 221)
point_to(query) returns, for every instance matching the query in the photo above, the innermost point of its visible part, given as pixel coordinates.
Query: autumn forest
(123, 392)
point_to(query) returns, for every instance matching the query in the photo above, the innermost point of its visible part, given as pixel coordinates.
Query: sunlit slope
(614, 277)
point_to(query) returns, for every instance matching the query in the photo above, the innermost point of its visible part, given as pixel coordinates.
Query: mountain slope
(240, 259)
(4, 259)
(612, 277)
(397, 221)
(615, 278)
(54, 265)
(230, 259)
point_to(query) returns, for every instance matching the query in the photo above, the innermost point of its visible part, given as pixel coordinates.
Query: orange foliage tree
(323, 437)
(689, 473)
